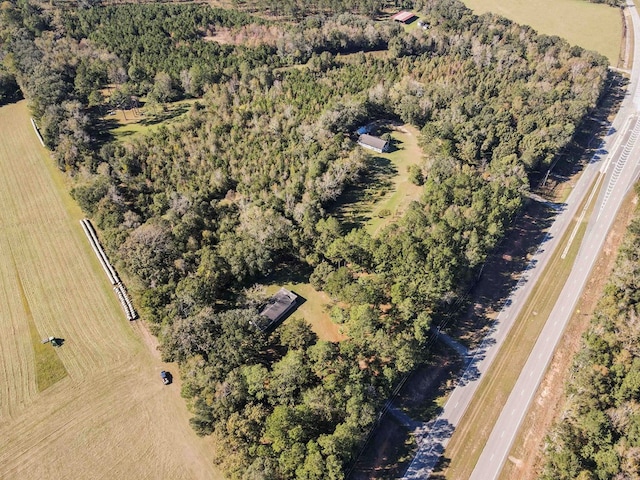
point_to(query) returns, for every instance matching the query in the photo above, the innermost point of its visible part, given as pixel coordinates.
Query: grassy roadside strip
(470, 437)
(527, 451)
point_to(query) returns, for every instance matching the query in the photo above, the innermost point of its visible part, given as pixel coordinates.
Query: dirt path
(111, 417)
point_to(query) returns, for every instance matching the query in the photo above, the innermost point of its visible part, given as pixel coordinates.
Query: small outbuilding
(403, 17)
(278, 307)
(371, 142)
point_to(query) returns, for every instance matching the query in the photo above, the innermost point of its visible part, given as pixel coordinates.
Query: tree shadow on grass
(13, 97)
(440, 469)
(102, 130)
(289, 272)
(169, 113)
(355, 206)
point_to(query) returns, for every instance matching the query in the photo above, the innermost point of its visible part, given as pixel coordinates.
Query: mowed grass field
(146, 118)
(103, 413)
(592, 26)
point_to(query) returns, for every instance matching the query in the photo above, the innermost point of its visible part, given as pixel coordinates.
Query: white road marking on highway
(581, 218)
(616, 144)
(594, 238)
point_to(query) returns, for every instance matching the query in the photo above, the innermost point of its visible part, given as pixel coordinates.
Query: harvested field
(110, 416)
(592, 26)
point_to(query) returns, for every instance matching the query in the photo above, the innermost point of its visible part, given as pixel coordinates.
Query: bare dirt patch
(252, 35)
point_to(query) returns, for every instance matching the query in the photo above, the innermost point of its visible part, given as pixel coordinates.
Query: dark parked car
(166, 377)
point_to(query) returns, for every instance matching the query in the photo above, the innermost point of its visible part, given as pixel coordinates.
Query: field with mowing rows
(94, 408)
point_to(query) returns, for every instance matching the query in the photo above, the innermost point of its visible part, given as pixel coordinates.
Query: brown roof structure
(278, 307)
(403, 16)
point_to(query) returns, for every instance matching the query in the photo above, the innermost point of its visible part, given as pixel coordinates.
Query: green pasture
(49, 368)
(314, 309)
(592, 26)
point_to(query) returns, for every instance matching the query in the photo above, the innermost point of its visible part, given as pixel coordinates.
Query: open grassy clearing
(314, 309)
(387, 188)
(125, 123)
(592, 26)
(471, 435)
(385, 192)
(110, 416)
(49, 368)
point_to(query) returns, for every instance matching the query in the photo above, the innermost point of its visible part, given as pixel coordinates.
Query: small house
(371, 142)
(276, 310)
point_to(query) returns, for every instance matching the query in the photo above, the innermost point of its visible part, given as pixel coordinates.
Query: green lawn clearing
(592, 26)
(127, 123)
(385, 192)
(314, 309)
(49, 368)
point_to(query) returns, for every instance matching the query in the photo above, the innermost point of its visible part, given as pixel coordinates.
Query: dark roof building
(278, 307)
(403, 17)
(373, 143)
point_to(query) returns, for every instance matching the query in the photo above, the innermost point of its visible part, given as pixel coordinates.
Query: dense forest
(198, 212)
(599, 432)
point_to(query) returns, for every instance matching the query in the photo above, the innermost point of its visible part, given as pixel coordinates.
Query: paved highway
(620, 142)
(617, 174)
